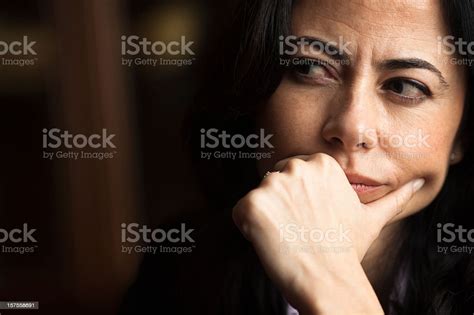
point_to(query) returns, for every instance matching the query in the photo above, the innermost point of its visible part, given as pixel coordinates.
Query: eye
(408, 90)
(312, 69)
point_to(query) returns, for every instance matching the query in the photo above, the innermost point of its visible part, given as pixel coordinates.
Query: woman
(369, 110)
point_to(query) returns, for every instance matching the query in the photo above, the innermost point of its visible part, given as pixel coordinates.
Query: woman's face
(386, 106)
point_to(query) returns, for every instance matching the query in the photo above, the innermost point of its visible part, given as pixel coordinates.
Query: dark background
(78, 84)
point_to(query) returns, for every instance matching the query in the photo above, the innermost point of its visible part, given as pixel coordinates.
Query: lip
(361, 188)
(355, 178)
(363, 185)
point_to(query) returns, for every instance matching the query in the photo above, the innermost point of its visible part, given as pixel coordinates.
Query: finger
(392, 204)
(280, 166)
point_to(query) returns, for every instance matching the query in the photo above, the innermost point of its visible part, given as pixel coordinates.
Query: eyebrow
(392, 64)
(414, 63)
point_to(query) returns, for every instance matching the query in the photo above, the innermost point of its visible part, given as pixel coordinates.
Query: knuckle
(324, 159)
(318, 157)
(329, 160)
(295, 165)
(327, 163)
(248, 207)
(253, 198)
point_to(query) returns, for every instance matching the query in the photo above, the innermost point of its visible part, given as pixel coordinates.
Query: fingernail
(417, 184)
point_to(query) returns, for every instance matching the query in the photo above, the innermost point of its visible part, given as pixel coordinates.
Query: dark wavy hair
(242, 72)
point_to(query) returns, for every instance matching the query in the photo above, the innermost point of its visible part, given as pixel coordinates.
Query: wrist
(346, 291)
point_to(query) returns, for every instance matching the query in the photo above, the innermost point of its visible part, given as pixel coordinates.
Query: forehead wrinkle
(378, 28)
(400, 19)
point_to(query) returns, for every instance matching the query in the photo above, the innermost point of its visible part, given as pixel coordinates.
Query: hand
(310, 232)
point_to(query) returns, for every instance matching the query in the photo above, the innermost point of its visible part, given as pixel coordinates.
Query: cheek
(432, 171)
(294, 116)
(430, 161)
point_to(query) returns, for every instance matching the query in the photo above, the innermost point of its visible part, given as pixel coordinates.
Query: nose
(352, 123)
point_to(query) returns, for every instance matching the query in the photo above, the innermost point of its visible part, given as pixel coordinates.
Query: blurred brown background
(78, 84)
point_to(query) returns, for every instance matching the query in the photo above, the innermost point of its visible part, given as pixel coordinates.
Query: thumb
(392, 204)
(280, 165)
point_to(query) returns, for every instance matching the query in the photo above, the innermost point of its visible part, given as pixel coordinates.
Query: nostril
(336, 141)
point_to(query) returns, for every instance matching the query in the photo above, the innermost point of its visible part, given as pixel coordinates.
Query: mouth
(367, 189)
(362, 188)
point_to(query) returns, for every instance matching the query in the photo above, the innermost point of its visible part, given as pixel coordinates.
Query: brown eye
(312, 70)
(407, 89)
